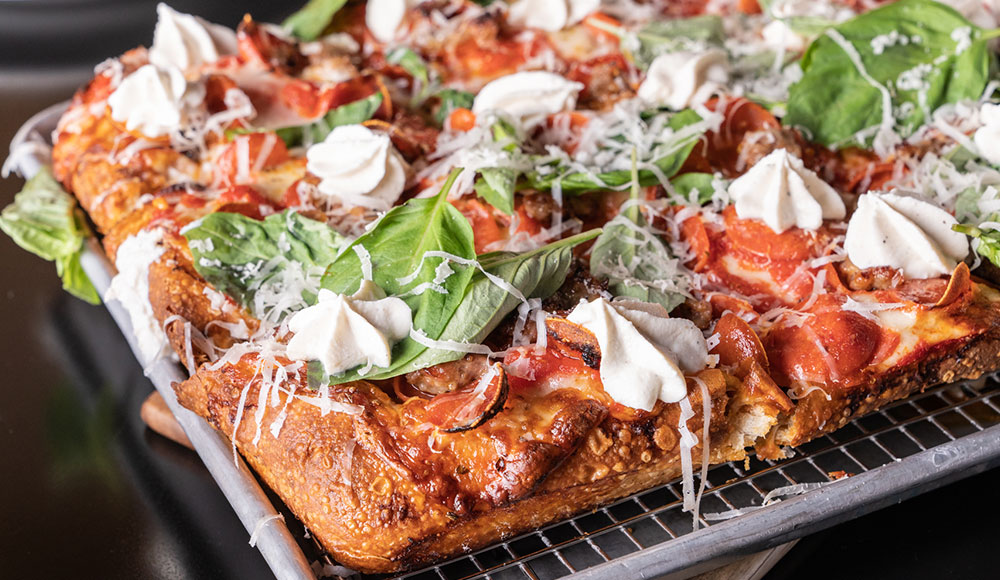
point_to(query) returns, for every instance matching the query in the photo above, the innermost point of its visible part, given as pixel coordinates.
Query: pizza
(447, 271)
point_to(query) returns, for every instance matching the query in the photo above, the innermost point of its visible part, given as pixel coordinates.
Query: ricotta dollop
(684, 79)
(987, 137)
(343, 332)
(359, 167)
(384, 17)
(644, 353)
(130, 287)
(780, 36)
(904, 233)
(527, 97)
(151, 100)
(187, 42)
(550, 15)
(782, 192)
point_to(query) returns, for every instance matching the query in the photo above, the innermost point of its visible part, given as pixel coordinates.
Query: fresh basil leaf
(309, 22)
(988, 245)
(536, 274)
(913, 76)
(230, 250)
(348, 114)
(805, 25)
(496, 186)
(412, 63)
(668, 165)
(665, 36)
(75, 280)
(397, 245)
(44, 220)
(452, 99)
(701, 184)
(636, 263)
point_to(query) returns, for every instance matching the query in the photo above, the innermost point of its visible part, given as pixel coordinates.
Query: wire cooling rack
(912, 446)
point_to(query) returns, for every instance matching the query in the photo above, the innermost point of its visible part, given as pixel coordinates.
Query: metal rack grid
(641, 524)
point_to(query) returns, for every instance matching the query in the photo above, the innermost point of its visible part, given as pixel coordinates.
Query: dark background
(87, 492)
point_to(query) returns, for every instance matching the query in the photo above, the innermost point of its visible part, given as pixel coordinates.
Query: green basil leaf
(231, 249)
(915, 77)
(668, 165)
(348, 114)
(967, 204)
(44, 220)
(452, 99)
(412, 63)
(496, 186)
(536, 274)
(805, 25)
(989, 241)
(665, 36)
(75, 280)
(636, 263)
(699, 183)
(397, 245)
(309, 22)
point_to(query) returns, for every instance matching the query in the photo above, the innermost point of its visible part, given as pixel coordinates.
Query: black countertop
(87, 491)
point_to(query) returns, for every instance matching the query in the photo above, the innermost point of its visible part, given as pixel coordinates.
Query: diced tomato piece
(248, 154)
(526, 223)
(483, 220)
(291, 198)
(245, 200)
(312, 101)
(748, 6)
(461, 119)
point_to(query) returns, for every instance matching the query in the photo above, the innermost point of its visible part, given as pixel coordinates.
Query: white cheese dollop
(343, 332)
(550, 15)
(987, 137)
(383, 17)
(904, 233)
(783, 193)
(644, 353)
(780, 36)
(528, 97)
(359, 167)
(130, 287)
(684, 79)
(151, 100)
(187, 42)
